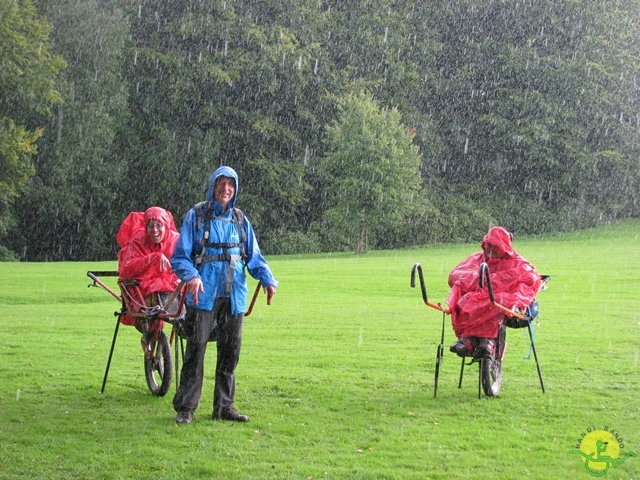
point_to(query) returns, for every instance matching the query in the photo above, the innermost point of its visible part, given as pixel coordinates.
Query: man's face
(224, 190)
(155, 231)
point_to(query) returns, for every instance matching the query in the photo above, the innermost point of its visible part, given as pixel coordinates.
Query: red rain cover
(139, 257)
(515, 284)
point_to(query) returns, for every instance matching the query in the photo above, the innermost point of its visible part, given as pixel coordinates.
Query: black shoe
(460, 347)
(184, 416)
(229, 413)
(484, 348)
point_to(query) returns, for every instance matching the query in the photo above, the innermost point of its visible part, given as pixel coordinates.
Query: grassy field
(337, 375)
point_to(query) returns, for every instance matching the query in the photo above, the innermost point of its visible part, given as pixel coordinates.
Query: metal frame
(484, 279)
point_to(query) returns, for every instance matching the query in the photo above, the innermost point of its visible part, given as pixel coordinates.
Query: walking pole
(253, 300)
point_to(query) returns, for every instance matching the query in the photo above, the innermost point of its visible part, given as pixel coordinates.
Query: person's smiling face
(224, 190)
(155, 231)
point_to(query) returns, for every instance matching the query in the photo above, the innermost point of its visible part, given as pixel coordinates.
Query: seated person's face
(155, 231)
(491, 251)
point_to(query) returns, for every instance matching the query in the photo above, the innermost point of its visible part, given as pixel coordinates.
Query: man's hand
(194, 286)
(270, 291)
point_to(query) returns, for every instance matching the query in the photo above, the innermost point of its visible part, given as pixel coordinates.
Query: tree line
(352, 125)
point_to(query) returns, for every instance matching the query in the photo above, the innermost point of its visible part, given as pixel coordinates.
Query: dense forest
(353, 125)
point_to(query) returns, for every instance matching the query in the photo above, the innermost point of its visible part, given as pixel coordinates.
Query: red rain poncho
(139, 257)
(515, 284)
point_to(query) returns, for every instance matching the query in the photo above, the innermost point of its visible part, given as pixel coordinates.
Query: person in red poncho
(147, 241)
(515, 284)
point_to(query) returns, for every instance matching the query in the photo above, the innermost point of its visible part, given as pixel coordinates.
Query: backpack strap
(204, 212)
(201, 213)
(238, 219)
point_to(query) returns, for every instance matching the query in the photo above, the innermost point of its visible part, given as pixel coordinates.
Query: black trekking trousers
(199, 328)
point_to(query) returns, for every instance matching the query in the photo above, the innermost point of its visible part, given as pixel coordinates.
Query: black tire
(491, 375)
(491, 367)
(159, 370)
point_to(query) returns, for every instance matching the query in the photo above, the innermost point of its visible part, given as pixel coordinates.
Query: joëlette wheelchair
(150, 320)
(490, 368)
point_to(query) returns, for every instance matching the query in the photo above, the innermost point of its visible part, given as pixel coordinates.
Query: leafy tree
(27, 86)
(526, 114)
(178, 58)
(372, 170)
(237, 88)
(530, 107)
(78, 171)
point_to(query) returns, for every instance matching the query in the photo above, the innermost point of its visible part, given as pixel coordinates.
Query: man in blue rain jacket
(216, 243)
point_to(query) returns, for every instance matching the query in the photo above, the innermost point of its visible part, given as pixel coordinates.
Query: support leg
(113, 344)
(439, 358)
(461, 372)
(535, 355)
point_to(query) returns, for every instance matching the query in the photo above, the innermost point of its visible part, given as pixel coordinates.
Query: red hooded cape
(139, 258)
(515, 284)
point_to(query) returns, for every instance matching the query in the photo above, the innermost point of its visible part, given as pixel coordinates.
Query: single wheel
(158, 369)
(491, 368)
(491, 375)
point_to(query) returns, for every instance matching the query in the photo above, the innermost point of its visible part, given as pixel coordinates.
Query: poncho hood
(136, 223)
(500, 238)
(161, 215)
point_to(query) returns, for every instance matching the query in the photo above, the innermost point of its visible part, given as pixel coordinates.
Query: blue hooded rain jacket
(214, 274)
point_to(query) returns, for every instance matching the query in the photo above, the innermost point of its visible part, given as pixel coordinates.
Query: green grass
(337, 375)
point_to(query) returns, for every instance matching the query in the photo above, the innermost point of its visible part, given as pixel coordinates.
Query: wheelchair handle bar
(97, 282)
(181, 288)
(417, 267)
(485, 277)
(162, 315)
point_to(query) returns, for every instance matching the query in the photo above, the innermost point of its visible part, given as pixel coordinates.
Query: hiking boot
(229, 413)
(484, 349)
(184, 416)
(460, 347)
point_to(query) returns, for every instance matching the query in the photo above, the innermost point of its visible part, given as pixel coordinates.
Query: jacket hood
(223, 172)
(499, 237)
